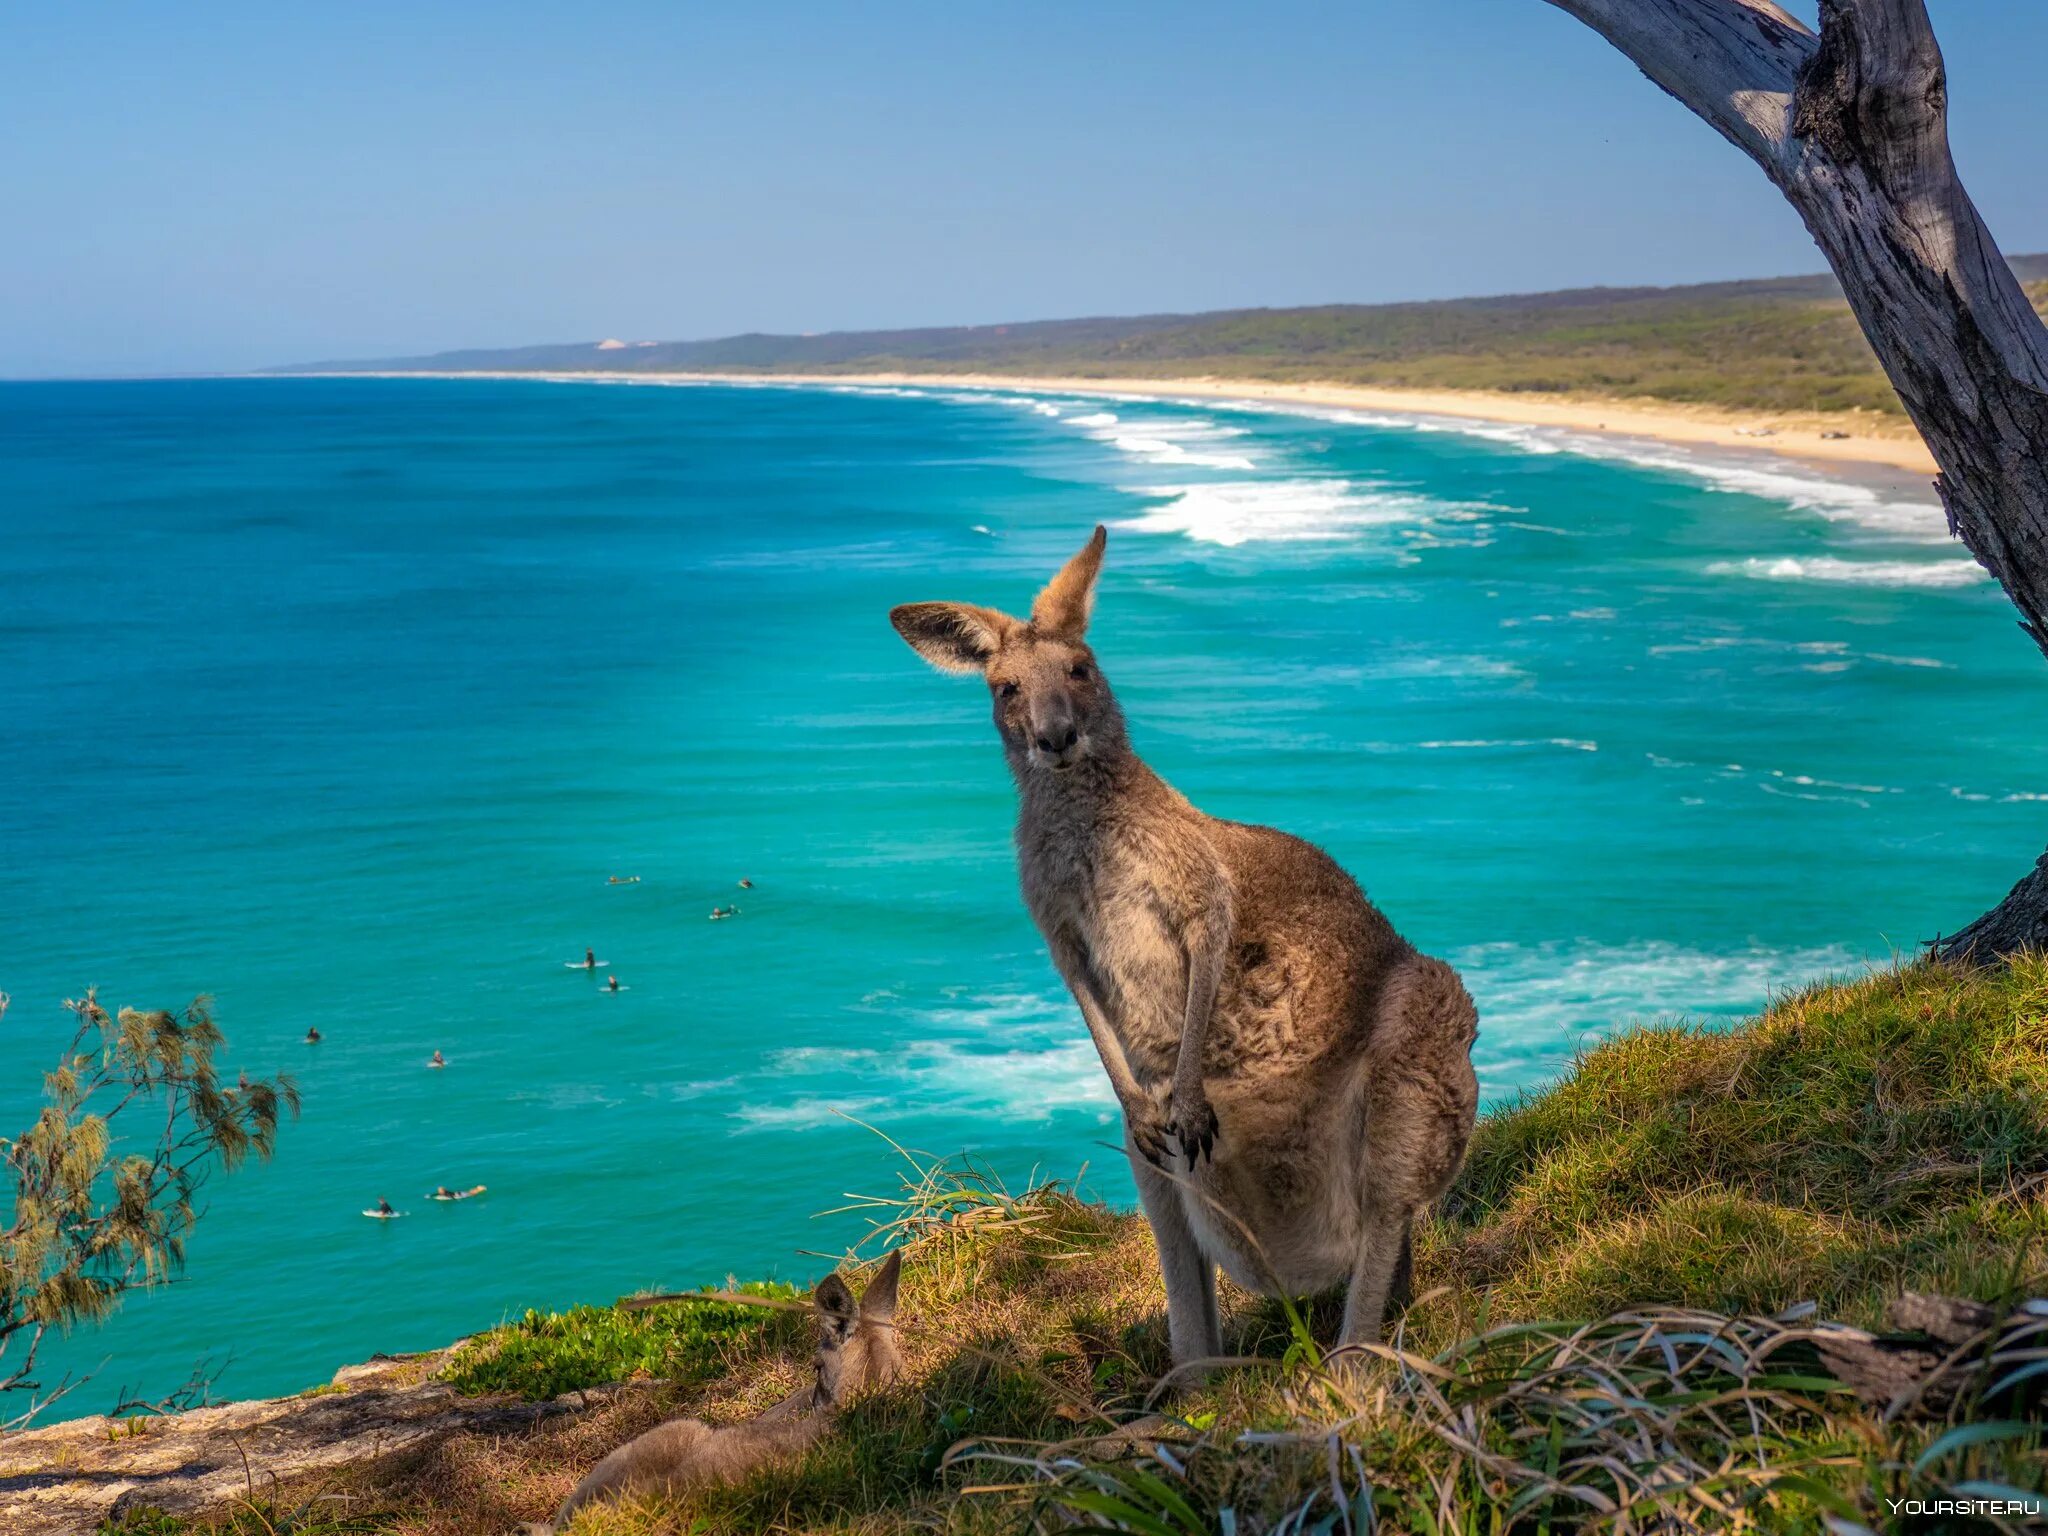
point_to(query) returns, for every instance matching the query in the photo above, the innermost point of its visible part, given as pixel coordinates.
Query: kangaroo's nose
(1058, 739)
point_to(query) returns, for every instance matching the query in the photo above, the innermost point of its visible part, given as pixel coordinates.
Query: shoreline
(1889, 447)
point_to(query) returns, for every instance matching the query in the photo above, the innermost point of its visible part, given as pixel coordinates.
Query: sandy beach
(1844, 440)
(1872, 441)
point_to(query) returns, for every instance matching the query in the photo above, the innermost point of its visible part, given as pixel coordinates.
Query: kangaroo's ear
(954, 637)
(878, 1301)
(838, 1312)
(1061, 610)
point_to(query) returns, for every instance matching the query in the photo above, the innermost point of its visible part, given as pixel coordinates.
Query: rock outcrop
(66, 1479)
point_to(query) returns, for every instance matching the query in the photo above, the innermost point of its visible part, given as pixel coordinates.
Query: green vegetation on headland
(1680, 1190)
(1775, 344)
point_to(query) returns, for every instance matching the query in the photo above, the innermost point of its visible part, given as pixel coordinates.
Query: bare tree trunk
(1852, 126)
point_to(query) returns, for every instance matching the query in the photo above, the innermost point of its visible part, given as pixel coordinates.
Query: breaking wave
(1540, 1004)
(1230, 513)
(1859, 573)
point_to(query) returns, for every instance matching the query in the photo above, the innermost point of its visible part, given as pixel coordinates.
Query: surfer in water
(611, 983)
(590, 959)
(437, 1060)
(384, 1207)
(312, 1036)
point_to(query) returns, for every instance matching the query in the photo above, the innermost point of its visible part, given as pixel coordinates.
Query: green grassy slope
(1675, 1191)
(1778, 344)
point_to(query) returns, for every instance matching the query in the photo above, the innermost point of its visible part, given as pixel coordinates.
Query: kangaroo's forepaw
(1194, 1127)
(1149, 1131)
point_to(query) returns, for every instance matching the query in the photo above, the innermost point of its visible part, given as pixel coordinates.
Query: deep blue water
(340, 701)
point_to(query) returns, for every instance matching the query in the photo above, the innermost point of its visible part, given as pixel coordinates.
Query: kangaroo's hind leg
(1193, 1328)
(1421, 1097)
(1382, 1247)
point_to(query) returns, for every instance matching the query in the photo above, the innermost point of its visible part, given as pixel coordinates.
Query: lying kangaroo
(1247, 1001)
(856, 1351)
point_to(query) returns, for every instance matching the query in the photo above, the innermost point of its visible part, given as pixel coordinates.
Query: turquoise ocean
(341, 700)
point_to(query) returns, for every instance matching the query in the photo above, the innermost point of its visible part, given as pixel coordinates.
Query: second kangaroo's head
(1053, 708)
(856, 1339)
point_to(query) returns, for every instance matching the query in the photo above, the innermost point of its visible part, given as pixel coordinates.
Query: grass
(545, 1354)
(1855, 1141)
(1600, 1338)
(255, 1517)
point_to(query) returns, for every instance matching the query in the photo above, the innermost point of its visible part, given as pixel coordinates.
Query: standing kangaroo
(856, 1351)
(1313, 1069)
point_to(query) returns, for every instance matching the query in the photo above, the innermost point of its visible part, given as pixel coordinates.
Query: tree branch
(1874, 100)
(1735, 63)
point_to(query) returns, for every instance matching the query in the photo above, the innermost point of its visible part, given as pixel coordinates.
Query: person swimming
(312, 1037)
(612, 983)
(437, 1060)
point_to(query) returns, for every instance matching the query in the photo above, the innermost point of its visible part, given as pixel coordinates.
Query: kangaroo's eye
(1006, 690)
(1078, 671)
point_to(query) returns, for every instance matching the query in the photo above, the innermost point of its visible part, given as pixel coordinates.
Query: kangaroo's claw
(1195, 1128)
(1149, 1133)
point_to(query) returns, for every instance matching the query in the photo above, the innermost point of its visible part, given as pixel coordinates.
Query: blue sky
(223, 185)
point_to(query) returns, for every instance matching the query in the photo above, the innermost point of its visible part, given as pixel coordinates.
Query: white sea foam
(1841, 501)
(808, 1114)
(1777, 781)
(1162, 450)
(2010, 797)
(1166, 440)
(1862, 573)
(1838, 501)
(1025, 1084)
(1393, 668)
(1483, 744)
(1538, 1004)
(1022, 1054)
(1301, 510)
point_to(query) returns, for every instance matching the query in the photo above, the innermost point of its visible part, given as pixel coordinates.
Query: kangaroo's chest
(1099, 902)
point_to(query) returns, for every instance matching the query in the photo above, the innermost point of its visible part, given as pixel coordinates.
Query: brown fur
(1252, 1009)
(856, 1351)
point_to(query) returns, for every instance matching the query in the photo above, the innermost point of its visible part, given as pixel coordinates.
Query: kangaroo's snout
(1058, 739)
(1054, 739)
